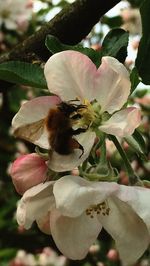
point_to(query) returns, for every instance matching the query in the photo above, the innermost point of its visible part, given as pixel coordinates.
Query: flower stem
(103, 152)
(133, 179)
(102, 145)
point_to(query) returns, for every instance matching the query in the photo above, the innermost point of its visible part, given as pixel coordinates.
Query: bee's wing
(30, 132)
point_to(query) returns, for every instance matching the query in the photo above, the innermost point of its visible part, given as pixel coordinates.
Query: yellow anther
(101, 208)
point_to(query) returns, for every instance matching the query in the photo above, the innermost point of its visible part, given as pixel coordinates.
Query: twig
(71, 25)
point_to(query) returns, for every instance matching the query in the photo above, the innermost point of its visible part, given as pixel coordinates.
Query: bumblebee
(59, 124)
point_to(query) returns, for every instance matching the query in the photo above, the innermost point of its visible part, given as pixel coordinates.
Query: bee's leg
(75, 100)
(82, 149)
(76, 116)
(76, 145)
(78, 131)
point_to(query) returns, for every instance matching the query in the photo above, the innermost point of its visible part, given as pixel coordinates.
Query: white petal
(44, 224)
(10, 24)
(28, 120)
(74, 236)
(138, 198)
(70, 75)
(34, 110)
(62, 163)
(35, 203)
(122, 123)
(127, 229)
(112, 84)
(79, 194)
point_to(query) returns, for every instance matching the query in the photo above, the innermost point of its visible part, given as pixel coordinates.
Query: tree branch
(71, 25)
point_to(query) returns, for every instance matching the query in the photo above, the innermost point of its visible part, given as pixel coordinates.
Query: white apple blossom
(50, 257)
(14, 14)
(74, 210)
(23, 258)
(71, 75)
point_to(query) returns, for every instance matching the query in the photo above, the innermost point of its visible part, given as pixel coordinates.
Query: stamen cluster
(102, 208)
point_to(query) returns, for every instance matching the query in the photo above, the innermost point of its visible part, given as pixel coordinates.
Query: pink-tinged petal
(70, 75)
(122, 123)
(34, 110)
(62, 163)
(112, 85)
(28, 171)
(28, 123)
(35, 204)
(44, 224)
(79, 194)
(138, 198)
(127, 229)
(74, 236)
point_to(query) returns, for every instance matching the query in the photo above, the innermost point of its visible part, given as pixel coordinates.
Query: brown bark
(71, 25)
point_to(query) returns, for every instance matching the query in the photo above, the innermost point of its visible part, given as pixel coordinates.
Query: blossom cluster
(71, 208)
(15, 14)
(46, 257)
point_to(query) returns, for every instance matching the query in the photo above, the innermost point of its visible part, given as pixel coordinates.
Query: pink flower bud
(28, 171)
(29, 4)
(113, 255)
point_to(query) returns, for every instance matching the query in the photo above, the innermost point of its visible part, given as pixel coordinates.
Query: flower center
(89, 115)
(101, 208)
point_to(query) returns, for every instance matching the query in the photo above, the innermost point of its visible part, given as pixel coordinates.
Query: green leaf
(115, 44)
(134, 78)
(143, 57)
(55, 46)
(23, 73)
(112, 21)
